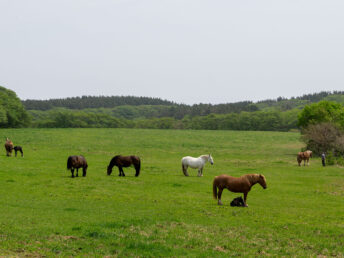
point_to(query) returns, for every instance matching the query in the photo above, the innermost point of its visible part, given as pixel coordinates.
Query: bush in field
(328, 138)
(322, 127)
(330, 159)
(340, 161)
(322, 137)
(12, 112)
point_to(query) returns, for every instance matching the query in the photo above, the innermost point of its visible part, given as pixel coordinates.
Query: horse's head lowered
(210, 159)
(262, 181)
(109, 170)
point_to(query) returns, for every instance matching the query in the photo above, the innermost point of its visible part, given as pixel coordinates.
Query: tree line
(144, 112)
(259, 120)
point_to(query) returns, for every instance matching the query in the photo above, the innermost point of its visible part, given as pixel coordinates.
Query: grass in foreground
(162, 212)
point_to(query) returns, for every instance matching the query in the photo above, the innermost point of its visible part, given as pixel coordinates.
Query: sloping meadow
(44, 212)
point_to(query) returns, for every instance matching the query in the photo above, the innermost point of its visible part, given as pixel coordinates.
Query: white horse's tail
(184, 170)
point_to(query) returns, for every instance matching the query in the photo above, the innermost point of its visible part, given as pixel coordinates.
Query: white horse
(196, 163)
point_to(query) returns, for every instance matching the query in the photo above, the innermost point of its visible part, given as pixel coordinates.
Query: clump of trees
(12, 112)
(323, 128)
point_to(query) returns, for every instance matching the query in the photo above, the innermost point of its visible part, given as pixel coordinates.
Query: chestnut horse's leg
(77, 172)
(122, 172)
(219, 196)
(72, 170)
(245, 198)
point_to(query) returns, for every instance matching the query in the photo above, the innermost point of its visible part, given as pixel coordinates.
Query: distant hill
(93, 102)
(279, 114)
(130, 107)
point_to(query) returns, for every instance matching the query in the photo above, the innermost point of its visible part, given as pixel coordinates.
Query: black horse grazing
(124, 161)
(76, 162)
(18, 148)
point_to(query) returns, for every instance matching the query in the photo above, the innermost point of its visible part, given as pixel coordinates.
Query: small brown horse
(76, 162)
(304, 156)
(124, 161)
(8, 147)
(18, 148)
(241, 184)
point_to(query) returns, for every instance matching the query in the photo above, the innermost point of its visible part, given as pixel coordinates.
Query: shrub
(324, 137)
(330, 160)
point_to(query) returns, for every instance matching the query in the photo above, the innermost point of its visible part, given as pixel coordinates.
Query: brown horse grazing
(76, 162)
(18, 148)
(304, 156)
(124, 161)
(8, 147)
(241, 184)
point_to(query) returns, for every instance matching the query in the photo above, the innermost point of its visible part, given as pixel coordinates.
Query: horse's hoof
(246, 205)
(220, 203)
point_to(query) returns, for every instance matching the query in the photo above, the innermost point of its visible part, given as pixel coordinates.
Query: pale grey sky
(189, 51)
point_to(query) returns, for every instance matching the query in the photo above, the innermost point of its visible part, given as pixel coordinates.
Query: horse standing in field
(196, 163)
(18, 148)
(76, 162)
(304, 156)
(123, 162)
(241, 184)
(8, 147)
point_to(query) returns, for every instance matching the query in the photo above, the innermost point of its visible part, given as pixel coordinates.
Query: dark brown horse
(304, 156)
(18, 148)
(123, 162)
(241, 184)
(8, 147)
(76, 162)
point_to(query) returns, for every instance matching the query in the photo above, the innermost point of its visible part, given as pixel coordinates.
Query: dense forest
(279, 114)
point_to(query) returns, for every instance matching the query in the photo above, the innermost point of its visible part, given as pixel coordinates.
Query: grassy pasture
(163, 213)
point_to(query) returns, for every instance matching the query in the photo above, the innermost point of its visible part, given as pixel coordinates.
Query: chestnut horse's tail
(69, 162)
(215, 189)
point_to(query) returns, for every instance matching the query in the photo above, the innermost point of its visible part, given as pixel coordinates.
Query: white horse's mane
(205, 156)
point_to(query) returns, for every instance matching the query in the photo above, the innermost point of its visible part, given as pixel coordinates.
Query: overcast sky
(188, 51)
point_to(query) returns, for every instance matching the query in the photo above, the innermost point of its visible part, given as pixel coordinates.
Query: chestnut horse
(76, 162)
(241, 184)
(123, 162)
(8, 147)
(304, 156)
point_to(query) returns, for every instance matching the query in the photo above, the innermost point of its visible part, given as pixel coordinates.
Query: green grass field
(44, 212)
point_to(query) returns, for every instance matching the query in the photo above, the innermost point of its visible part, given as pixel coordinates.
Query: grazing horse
(304, 156)
(20, 149)
(196, 163)
(76, 162)
(241, 184)
(8, 147)
(123, 162)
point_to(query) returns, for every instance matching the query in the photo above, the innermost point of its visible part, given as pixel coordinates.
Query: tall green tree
(322, 112)
(12, 112)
